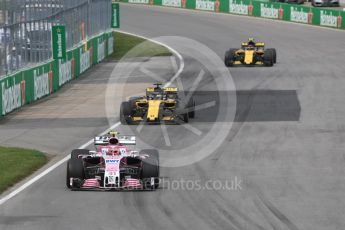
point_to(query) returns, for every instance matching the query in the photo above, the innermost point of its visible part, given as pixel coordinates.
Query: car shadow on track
(251, 106)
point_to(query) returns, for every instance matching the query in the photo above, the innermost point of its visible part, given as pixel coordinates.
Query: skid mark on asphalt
(275, 211)
(265, 215)
(226, 208)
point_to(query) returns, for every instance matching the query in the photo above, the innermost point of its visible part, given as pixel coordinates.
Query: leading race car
(251, 53)
(113, 166)
(159, 104)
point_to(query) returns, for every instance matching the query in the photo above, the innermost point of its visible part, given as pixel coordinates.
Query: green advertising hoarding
(171, 3)
(115, 15)
(32, 84)
(59, 42)
(328, 18)
(12, 93)
(207, 5)
(242, 7)
(265, 9)
(139, 1)
(300, 14)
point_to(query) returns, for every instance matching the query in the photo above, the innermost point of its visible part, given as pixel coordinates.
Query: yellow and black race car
(251, 53)
(159, 105)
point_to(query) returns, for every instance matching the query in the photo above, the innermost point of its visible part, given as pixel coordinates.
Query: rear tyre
(150, 167)
(79, 152)
(125, 113)
(191, 108)
(75, 170)
(185, 117)
(182, 112)
(68, 185)
(229, 57)
(153, 154)
(268, 58)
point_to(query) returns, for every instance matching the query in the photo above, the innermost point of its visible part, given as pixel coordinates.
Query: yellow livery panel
(153, 110)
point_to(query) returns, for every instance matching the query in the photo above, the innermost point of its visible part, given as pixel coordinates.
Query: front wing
(128, 184)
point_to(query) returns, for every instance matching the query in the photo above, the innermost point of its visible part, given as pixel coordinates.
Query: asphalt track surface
(285, 147)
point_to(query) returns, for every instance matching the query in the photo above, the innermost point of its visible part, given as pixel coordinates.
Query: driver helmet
(113, 141)
(113, 133)
(251, 42)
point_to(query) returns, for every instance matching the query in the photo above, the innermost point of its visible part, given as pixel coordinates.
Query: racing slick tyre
(151, 153)
(125, 112)
(191, 108)
(75, 169)
(274, 53)
(79, 152)
(229, 57)
(182, 112)
(268, 58)
(150, 167)
(186, 117)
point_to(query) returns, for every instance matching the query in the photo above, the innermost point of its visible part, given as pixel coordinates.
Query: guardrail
(29, 85)
(272, 10)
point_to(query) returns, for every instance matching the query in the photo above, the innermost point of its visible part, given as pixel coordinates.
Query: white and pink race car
(113, 166)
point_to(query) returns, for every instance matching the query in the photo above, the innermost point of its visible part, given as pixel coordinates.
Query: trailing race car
(251, 53)
(113, 166)
(159, 104)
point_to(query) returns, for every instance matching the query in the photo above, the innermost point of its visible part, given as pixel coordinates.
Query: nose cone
(153, 111)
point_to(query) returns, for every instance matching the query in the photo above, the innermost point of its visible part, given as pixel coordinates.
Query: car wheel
(153, 154)
(191, 108)
(268, 58)
(150, 167)
(182, 112)
(274, 54)
(185, 117)
(125, 112)
(79, 152)
(229, 57)
(68, 185)
(75, 169)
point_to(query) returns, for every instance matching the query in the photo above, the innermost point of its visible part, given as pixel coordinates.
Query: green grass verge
(16, 164)
(124, 43)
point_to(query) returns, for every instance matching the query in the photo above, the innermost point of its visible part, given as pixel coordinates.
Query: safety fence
(272, 10)
(31, 84)
(25, 28)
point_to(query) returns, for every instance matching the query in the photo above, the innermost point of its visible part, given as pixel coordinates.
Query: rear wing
(123, 140)
(127, 140)
(257, 44)
(150, 89)
(170, 90)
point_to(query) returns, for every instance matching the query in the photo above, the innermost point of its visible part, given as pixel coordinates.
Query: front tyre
(76, 153)
(274, 54)
(268, 58)
(75, 170)
(125, 113)
(229, 57)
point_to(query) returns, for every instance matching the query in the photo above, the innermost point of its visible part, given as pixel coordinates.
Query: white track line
(57, 164)
(177, 54)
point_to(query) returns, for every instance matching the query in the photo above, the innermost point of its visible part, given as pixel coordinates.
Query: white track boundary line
(177, 54)
(57, 164)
